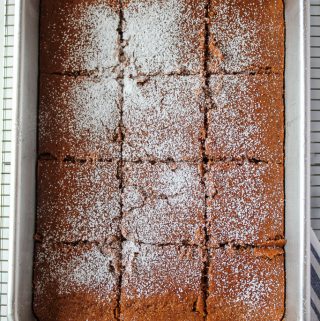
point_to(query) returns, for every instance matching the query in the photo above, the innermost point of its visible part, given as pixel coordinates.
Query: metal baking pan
(297, 160)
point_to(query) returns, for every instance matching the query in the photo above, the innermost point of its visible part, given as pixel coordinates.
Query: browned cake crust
(245, 203)
(246, 35)
(78, 202)
(244, 285)
(161, 283)
(163, 203)
(79, 35)
(247, 117)
(79, 117)
(76, 283)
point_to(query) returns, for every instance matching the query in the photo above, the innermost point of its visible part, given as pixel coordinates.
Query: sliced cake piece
(163, 203)
(246, 35)
(163, 118)
(161, 283)
(246, 285)
(78, 202)
(164, 36)
(76, 283)
(246, 117)
(245, 203)
(79, 117)
(79, 35)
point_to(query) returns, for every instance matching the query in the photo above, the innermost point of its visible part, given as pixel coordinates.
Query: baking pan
(296, 166)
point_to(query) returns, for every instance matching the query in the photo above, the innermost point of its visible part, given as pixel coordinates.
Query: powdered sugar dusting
(226, 90)
(164, 36)
(247, 118)
(163, 203)
(69, 270)
(152, 270)
(93, 112)
(79, 116)
(87, 37)
(159, 202)
(251, 287)
(246, 35)
(78, 202)
(163, 118)
(246, 202)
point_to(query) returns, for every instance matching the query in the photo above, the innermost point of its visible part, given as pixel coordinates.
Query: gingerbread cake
(161, 282)
(246, 36)
(163, 203)
(160, 190)
(164, 36)
(78, 201)
(245, 284)
(163, 118)
(76, 282)
(79, 117)
(79, 36)
(246, 117)
(244, 202)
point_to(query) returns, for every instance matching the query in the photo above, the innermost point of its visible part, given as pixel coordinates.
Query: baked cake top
(246, 285)
(246, 35)
(245, 202)
(163, 118)
(155, 270)
(147, 148)
(164, 36)
(246, 117)
(76, 282)
(79, 116)
(163, 203)
(159, 282)
(79, 35)
(78, 202)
